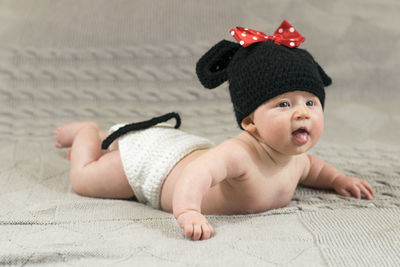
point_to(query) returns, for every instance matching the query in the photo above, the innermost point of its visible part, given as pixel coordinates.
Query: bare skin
(255, 171)
(93, 172)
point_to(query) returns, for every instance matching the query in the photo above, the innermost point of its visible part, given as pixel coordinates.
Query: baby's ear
(248, 124)
(212, 67)
(325, 78)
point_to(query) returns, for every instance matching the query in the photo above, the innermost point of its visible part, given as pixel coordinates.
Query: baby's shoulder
(235, 149)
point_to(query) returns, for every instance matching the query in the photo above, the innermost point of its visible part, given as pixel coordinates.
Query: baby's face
(290, 123)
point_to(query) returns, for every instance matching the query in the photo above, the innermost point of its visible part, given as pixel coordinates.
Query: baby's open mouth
(301, 130)
(301, 136)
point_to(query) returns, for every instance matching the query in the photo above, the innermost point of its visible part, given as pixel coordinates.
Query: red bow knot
(285, 35)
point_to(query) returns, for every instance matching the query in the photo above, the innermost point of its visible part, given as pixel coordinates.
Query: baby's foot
(68, 155)
(65, 134)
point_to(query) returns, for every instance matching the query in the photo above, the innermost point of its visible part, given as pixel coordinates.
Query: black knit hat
(259, 72)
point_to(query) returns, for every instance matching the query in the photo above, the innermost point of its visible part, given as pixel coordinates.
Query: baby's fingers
(356, 192)
(366, 192)
(344, 192)
(196, 232)
(369, 187)
(207, 231)
(188, 230)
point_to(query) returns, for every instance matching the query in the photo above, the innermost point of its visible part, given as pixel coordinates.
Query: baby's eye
(284, 104)
(310, 103)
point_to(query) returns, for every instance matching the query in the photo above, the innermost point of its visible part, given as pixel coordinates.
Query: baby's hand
(348, 186)
(195, 225)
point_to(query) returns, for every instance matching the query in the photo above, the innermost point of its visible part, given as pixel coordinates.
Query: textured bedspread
(113, 61)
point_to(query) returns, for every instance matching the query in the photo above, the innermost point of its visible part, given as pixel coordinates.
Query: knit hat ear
(212, 67)
(325, 78)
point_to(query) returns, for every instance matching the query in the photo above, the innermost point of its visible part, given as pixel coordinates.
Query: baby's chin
(288, 146)
(293, 149)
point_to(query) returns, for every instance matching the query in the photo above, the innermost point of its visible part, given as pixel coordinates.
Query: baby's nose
(301, 113)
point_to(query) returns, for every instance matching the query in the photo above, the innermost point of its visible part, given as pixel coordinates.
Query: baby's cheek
(277, 131)
(318, 127)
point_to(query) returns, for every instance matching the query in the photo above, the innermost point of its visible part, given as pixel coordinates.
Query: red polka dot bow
(285, 35)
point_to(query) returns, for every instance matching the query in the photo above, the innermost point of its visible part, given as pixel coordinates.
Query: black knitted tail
(140, 126)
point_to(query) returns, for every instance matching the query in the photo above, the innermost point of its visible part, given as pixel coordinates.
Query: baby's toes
(69, 155)
(58, 137)
(58, 145)
(56, 134)
(63, 136)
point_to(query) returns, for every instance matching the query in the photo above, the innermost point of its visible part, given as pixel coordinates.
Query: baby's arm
(320, 174)
(206, 171)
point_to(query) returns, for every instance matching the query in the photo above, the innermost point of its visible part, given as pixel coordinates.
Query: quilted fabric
(113, 61)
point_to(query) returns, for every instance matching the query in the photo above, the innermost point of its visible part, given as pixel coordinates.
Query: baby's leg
(103, 135)
(65, 135)
(93, 173)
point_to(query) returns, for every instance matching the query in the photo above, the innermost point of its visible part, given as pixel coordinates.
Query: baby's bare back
(262, 185)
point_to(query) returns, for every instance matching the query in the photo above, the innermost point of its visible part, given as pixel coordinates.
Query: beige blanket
(113, 61)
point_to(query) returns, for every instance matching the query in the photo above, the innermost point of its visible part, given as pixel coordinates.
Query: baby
(278, 97)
